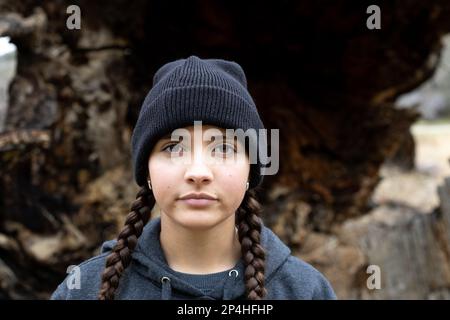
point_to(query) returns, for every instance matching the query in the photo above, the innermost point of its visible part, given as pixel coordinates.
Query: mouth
(198, 199)
(199, 202)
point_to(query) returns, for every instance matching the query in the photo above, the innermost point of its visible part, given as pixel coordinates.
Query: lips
(198, 199)
(198, 202)
(198, 196)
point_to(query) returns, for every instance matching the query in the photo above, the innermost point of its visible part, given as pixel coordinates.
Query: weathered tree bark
(316, 73)
(410, 247)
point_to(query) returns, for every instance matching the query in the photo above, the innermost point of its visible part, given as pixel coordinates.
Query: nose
(198, 172)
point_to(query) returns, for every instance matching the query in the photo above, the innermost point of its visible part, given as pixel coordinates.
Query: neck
(202, 251)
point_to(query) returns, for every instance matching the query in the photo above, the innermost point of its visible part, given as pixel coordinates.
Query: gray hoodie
(286, 276)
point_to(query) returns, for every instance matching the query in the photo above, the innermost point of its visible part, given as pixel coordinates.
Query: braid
(120, 257)
(249, 230)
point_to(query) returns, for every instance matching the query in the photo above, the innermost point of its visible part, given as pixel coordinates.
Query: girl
(209, 241)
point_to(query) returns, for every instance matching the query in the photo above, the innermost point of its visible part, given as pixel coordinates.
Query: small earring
(247, 186)
(149, 184)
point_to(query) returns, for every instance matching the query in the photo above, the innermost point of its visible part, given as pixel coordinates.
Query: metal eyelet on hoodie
(237, 273)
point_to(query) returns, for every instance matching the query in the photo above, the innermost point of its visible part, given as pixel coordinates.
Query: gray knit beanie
(213, 91)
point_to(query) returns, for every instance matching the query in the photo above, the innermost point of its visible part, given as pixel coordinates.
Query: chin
(198, 219)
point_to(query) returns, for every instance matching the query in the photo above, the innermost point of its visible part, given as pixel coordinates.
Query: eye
(227, 150)
(173, 148)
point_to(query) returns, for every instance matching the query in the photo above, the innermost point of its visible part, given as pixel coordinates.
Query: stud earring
(247, 186)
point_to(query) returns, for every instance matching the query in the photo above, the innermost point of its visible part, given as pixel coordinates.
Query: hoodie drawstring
(233, 277)
(166, 293)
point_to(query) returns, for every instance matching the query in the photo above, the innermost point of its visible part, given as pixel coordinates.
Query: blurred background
(363, 114)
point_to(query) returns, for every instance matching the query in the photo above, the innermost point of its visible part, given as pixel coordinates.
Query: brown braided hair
(120, 257)
(249, 231)
(249, 228)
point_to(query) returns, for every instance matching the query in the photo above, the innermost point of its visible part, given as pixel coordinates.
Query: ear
(149, 182)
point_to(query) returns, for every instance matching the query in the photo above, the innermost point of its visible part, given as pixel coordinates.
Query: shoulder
(297, 279)
(83, 281)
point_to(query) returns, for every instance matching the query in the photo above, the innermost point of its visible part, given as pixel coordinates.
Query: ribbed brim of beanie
(213, 91)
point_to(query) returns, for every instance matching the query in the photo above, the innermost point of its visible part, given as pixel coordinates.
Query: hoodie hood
(150, 261)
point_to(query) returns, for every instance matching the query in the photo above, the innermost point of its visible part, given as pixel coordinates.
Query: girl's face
(197, 163)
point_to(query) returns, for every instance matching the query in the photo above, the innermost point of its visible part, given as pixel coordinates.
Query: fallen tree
(316, 72)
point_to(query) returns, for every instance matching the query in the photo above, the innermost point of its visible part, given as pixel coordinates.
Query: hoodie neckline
(150, 261)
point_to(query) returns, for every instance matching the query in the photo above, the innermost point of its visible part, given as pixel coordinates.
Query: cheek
(231, 183)
(164, 177)
(233, 188)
